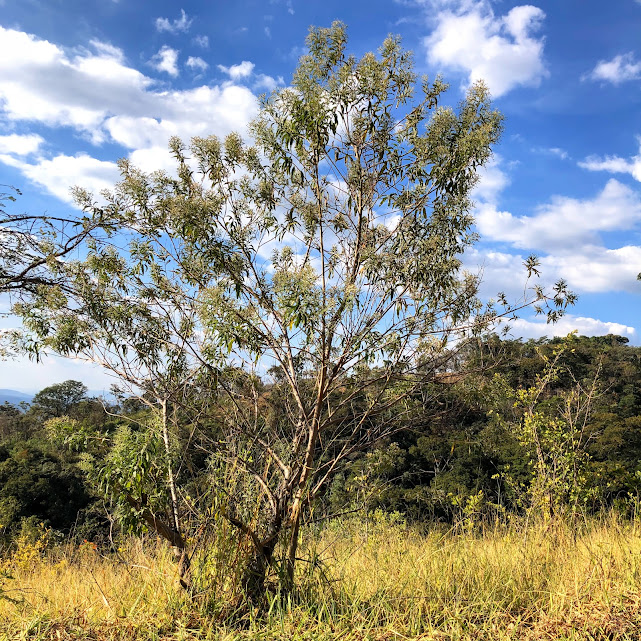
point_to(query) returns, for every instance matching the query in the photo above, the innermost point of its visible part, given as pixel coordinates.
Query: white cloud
(267, 83)
(492, 180)
(153, 158)
(523, 328)
(596, 269)
(196, 112)
(589, 269)
(621, 68)
(99, 97)
(107, 50)
(564, 223)
(615, 164)
(166, 60)
(20, 145)
(57, 175)
(499, 271)
(502, 51)
(196, 63)
(202, 41)
(288, 4)
(557, 151)
(39, 82)
(182, 24)
(566, 230)
(551, 151)
(239, 71)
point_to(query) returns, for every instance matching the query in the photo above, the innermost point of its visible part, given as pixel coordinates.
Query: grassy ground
(376, 581)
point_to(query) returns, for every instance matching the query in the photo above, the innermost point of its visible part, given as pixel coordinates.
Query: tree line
(463, 455)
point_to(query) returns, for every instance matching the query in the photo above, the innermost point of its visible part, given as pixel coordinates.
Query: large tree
(310, 280)
(56, 400)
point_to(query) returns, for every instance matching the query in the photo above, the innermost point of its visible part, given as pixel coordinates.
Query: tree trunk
(180, 552)
(292, 547)
(255, 574)
(184, 568)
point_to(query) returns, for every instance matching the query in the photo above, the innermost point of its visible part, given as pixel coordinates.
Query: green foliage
(37, 485)
(462, 465)
(477, 435)
(57, 400)
(135, 467)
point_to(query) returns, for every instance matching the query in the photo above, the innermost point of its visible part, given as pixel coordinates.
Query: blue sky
(83, 83)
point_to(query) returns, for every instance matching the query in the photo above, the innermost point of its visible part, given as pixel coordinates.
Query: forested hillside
(460, 454)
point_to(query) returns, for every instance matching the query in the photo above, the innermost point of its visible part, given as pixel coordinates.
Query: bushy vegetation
(551, 421)
(464, 457)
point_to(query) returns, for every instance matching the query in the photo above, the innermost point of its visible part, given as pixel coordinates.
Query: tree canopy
(56, 400)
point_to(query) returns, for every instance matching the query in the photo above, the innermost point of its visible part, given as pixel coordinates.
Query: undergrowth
(375, 579)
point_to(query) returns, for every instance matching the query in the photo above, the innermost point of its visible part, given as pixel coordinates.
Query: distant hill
(14, 397)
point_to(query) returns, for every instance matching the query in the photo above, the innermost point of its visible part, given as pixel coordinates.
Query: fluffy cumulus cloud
(615, 164)
(98, 95)
(20, 145)
(196, 63)
(166, 60)
(533, 328)
(504, 51)
(492, 181)
(564, 224)
(598, 269)
(180, 25)
(267, 83)
(621, 68)
(58, 174)
(566, 232)
(40, 82)
(239, 71)
(595, 269)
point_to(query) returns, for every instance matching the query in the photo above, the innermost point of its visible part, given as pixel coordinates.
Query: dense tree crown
(286, 298)
(57, 400)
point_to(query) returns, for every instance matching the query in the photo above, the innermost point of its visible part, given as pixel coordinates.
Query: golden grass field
(380, 580)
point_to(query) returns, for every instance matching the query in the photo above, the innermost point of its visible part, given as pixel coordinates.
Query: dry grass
(383, 581)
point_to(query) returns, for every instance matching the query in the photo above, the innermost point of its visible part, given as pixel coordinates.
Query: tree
(310, 282)
(57, 400)
(38, 485)
(552, 430)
